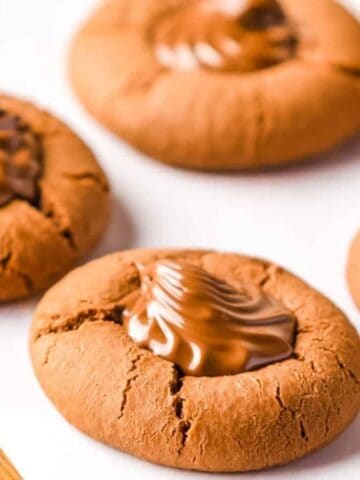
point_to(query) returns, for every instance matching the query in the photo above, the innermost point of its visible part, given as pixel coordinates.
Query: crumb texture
(104, 384)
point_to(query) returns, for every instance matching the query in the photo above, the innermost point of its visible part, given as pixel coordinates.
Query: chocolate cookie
(221, 84)
(53, 199)
(196, 359)
(353, 269)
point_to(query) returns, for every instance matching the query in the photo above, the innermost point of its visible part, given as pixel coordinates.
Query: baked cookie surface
(109, 387)
(53, 199)
(228, 84)
(353, 269)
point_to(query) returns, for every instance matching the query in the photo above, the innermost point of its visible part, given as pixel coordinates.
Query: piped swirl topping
(20, 160)
(204, 325)
(227, 35)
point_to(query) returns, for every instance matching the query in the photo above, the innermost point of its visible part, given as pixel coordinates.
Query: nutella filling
(225, 35)
(204, 325)
(20, 160)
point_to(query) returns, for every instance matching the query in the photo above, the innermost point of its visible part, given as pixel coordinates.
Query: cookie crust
(104, 384)
(40, 242)
(205, 120)
(353, 269)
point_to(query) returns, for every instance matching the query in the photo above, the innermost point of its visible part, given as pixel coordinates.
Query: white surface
(302, 217)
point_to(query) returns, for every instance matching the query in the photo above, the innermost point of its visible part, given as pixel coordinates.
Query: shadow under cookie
(100, 370)
(54, 199)
(301, 99)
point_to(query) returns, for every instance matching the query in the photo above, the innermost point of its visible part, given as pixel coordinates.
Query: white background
(302, 217)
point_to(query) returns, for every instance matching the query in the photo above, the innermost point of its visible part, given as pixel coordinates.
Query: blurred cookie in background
(353, 269)
(216, 85)
(54, 199)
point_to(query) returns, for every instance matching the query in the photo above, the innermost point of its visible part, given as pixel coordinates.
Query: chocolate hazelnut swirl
(20, 160)
(242, 35)
(204, 325)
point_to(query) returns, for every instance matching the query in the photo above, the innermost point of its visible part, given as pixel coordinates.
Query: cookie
(54, 200)
(197, 359)
(221, 84)
(353, 269)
